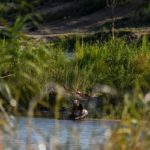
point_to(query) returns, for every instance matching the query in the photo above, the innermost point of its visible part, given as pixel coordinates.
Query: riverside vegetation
(41, 73)
(29, 68)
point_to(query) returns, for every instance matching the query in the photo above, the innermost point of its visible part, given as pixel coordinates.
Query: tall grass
(133, 130)
(27, 66)
(112, 63)
(32, 71)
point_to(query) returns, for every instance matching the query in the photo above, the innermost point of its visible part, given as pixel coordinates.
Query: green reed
(27, 65)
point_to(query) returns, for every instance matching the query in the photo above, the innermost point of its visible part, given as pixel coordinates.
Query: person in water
(78, 113)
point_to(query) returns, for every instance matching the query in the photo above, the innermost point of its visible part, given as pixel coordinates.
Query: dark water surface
(50, 134)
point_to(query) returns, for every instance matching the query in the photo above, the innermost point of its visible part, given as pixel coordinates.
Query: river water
(50, 134)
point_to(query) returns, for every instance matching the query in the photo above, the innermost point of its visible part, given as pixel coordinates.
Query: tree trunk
(113, 19)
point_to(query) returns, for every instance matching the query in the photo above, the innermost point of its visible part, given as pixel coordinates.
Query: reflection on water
(49, 134)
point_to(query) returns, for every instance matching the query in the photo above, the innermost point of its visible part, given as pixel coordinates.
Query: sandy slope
(85, 24)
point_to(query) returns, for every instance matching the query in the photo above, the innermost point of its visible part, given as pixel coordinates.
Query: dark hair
(80, 107)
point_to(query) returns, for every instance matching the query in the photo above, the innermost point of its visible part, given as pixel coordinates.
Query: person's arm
(79, 117)
(83, 115)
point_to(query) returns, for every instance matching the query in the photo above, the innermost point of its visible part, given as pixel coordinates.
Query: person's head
(76, 102)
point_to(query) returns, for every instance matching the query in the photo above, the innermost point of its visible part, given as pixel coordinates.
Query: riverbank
(47, 76)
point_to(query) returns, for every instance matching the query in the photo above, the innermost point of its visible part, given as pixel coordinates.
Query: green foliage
(27, 66)
(110, 62)
(132, 132)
